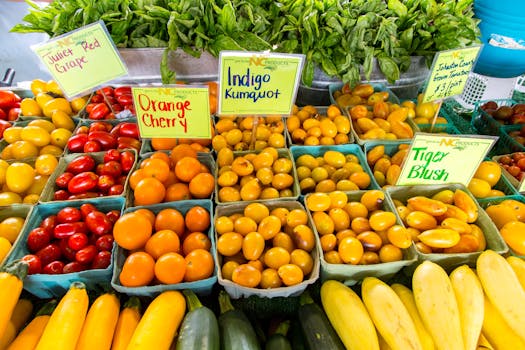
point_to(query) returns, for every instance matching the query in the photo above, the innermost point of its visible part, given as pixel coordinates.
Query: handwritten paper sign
(82, 59)
(449, 73)
(258, 83)
(172, 112)
(440, 159)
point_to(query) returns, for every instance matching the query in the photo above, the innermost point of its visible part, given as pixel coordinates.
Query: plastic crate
(439, 129)
(282, 153)
(353, 274)
(511, 180)
(47, 286)
(318, 151)
(451, 261)
(50, 188)
(236, 291)
(202, 287)
(15, 210)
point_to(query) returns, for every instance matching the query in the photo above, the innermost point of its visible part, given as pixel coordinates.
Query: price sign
(82, 59)
(172, 112)
(258, 83)
(521, 187)
(440, 159)
(449, 73)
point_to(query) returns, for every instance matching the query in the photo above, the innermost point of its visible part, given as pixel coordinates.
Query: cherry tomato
(77, 241)
(37, 239)
(68, 229)
(127, 160)
(61, 195)
(7, 99)
(49, 223)
(105, 182)
(81, 164)
(83, 182)
(63, 179)
(125, 99)
(106, 140)
(76, 142)
(115, 190)
(98, 223)
(99, 111)
(67, 252)
(96, 99)
(121, 180)
(99, 126)
(128, 142)
(106, 90)
(49, 253)
(122, 90)
(92, 146)
(102, 260)
(86, 255)
(113, 215)
(13, 114)
(129, 130)
(111, 154)
(3, 114)
(73, 266)
(87, 208)
(68, 214)
(35, 265)
(84, 195)
(3, 126)
(111, 168)
(104, 242)
(54, 268)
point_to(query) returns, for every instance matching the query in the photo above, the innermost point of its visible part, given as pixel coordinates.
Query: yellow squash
(498, 332)
(99, 326)
(10, 288)
(518, 265)
(407, 297)
(503, 289)
(348, 316)
(20, 316)
(389, 315)
(437, 305)
(28, 338)
(127, 323)
(65, 323)
(469, 295)
(160, 322)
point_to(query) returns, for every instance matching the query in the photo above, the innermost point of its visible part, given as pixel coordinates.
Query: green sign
(172, 112)
(521, 187)
(449, 73)
(441, 159)
(82, 59)
(258, 83)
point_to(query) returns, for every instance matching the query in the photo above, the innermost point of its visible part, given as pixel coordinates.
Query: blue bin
(503, 19)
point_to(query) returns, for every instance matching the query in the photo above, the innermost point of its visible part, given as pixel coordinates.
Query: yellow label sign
(257, 83)
(449, 73)
(172, 112)
(441, 159)
(82, 59)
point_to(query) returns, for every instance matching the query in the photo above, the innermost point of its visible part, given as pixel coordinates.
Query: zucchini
(296, 336)
(316, 328)
(11, 277)
(236, 331)
(278, 340)
(199, 329)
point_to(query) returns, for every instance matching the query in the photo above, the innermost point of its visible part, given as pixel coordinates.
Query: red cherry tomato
(77, 241)
(49, 223)
(104, 242)
(111, 154)
(13, 114)
(99, 111)
(76, 143)
(105, 182)
(87, 208)
(83, 182)
(49, 253)
(7, 99)
(73, 266)
(67, 252)
(80, 164)
(68, 214)
(115, 190)
(61, 195)
(98, 223)
(127, 160)
(106, 140)
(86, 255)
(102, 260)
(111, 168)
(122, 90)
(54, 268)
(113, 215)
(35, 265)
(106, 90)
(128, 129)
(92, 146)
(63, 179)
(128, 142)
(37, 239)
(99, 126)
(68, 229)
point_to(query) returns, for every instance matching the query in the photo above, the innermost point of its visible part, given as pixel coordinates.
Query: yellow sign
(82, 59)
(258, 83)
(449, 73)
(441, 159)
(172, 112)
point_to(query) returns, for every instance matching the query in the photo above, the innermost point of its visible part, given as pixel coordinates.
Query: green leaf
(308, 73)
(167, 75)
(389, 68)
(397, 7)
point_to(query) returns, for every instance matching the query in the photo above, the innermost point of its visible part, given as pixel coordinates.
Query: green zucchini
(199, 329)
(278, 340)
(317, 330)
(236, 331)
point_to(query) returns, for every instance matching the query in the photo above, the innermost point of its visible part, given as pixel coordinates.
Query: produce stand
(230, 242)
